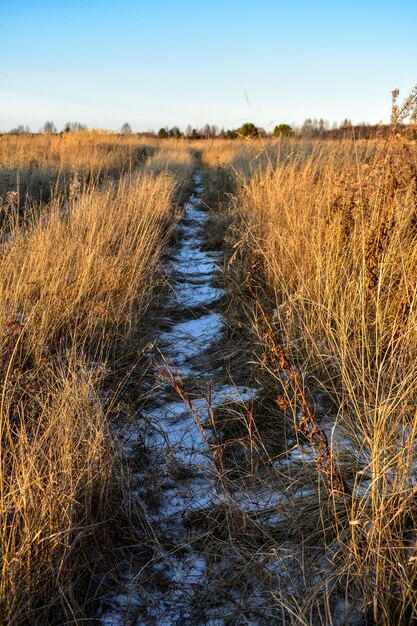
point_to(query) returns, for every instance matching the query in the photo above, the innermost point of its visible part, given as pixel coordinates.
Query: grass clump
(78, 277)
(331, 231)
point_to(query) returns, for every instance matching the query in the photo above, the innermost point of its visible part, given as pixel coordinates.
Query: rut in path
(188, 486)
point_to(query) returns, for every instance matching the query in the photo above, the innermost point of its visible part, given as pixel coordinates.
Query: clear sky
(157, 62)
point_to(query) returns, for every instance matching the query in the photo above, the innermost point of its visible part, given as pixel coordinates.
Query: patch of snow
(189, 481)
(189, 338)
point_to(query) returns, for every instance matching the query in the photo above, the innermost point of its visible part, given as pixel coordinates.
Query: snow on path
(189, 479)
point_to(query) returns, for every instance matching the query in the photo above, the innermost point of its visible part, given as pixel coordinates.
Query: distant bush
(284, 130)
(248, 130)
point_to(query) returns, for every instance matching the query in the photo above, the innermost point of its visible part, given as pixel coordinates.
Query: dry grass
(175, 157)
(78, 276)
(62, 494)
(73, 274)
(332, 228)
(85, 149)
(37, 167)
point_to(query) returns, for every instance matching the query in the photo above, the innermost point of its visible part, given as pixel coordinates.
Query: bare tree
(20, 130)
(126, 129)
(206, 131)
(307, 128)
(49, 127)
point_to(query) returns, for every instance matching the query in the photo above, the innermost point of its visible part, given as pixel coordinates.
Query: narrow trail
(187, 482)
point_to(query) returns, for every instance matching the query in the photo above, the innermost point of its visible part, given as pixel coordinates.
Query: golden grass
(74, 272)
(175, 157)
(85, 149)
(77, 278)
(332, 227)
(39, 166)
(61, 492)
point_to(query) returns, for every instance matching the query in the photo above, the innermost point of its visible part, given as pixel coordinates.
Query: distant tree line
(73, 127)
(49, 128)
(310, 129)
(20, 130)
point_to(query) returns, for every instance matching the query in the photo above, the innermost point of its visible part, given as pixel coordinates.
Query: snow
(188, 478)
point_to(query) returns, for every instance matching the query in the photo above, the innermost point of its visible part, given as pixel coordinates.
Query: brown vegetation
(328, 233)
(78, 275)
(331, 229)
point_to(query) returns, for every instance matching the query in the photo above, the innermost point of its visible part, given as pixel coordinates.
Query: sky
(158, 63)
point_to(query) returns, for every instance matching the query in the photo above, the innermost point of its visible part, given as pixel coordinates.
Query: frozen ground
(196, 588)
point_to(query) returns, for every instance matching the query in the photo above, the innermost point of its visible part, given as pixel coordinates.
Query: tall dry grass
(83, 272)
(176, 157)
(332, 230)
(38, 166)
(78, 276)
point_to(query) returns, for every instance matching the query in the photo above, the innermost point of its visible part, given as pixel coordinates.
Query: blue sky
(155, 63)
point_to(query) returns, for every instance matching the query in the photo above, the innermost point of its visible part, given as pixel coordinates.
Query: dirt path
(187, 487)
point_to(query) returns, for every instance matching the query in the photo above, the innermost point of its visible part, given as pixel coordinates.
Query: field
(209, 380)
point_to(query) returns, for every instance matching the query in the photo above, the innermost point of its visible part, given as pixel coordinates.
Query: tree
(283, 130)
(175, 132)
(20, 130)
(248, 130)
(307, 128)
(195, 134)
(162, 133)
(209, 131)
(49, 127)
(206, 131)
(126, 129)
(346, 128)
(74, 127)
